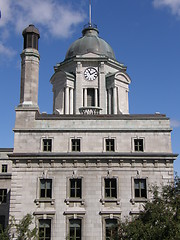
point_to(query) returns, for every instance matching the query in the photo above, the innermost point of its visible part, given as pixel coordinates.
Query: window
(76, 145)
(75, 229)
(47, 145)
(3, 195)
(4, 168)
(140, 188)
(138, 145)
(111, 228)
(110, 145)
(45, 188)
(90, 97)
(110, 188)
(2, 222)
(75, 188)
(44, 229)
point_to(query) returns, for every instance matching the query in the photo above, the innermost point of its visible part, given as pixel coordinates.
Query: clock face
(90, 74)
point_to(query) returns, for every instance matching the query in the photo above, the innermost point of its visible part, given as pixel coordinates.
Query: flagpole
(90, 13)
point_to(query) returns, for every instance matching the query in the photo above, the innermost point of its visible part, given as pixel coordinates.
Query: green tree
(160, 219)
(22, 229)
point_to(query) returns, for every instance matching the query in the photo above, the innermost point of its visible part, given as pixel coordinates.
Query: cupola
(90, 42)
(31, 36)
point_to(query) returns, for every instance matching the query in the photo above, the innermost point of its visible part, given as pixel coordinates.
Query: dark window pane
(79, 183)
(3, 195)
(49, 193)
(75, 188)
(110, 188)
(143, 193)
(75, 145)
(45, 188)
(137, 193)
(44, 229)
(140, 188)
(42, 193)
(138, 145)
(107, 193)
(72, 192)
(78, 193)
(47, 145)
(113, 192)
(75, 229)
(111, 228)
(110, 145)
(90, 97)
(4, 168)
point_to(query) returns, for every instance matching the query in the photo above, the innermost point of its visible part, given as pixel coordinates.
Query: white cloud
(53, 16)
(173, 5)
(6, 51)
(175, 123)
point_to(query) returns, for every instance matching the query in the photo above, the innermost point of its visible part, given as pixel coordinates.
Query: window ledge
(104, 200)
(44, 200)
(69, 200)
(5, 175)
(134, 200)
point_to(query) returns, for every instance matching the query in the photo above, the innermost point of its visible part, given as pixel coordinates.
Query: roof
(45, 116)
(31, 29)
(90, 42)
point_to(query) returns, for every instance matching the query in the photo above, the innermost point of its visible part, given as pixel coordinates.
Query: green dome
(90, 42)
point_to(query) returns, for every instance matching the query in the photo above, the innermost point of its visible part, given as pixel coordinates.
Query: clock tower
(89, 164)
(90, 80)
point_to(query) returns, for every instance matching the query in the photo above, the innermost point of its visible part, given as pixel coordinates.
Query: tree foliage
(160, 218)
(20, 230)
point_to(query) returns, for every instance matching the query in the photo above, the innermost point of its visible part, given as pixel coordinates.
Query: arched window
(75, 229)
(111, 228)
(44, 229)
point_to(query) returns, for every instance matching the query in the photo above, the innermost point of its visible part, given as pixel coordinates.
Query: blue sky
(144, 34)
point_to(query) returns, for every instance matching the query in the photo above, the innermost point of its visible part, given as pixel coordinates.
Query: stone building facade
(5, 185)
(90, 163)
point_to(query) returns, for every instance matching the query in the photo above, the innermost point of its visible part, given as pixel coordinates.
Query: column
(71, 100)
(67, 100)
(115, 100)
(109, 110)
(96, 97)
(102, 89)
(85, 97)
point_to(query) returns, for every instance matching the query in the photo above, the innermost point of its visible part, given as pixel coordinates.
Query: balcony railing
(90, 110)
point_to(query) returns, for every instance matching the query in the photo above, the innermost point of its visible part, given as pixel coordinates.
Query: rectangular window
(47, 145)
(138, 145)
(76, 145)
(110, 146)
(111, 228)
(75, 229)
(4, 168)
(75, 188)
(90, 97)
(140, 188)
(110, 188)
(45, 188)
(3, 195)
(44, 229)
